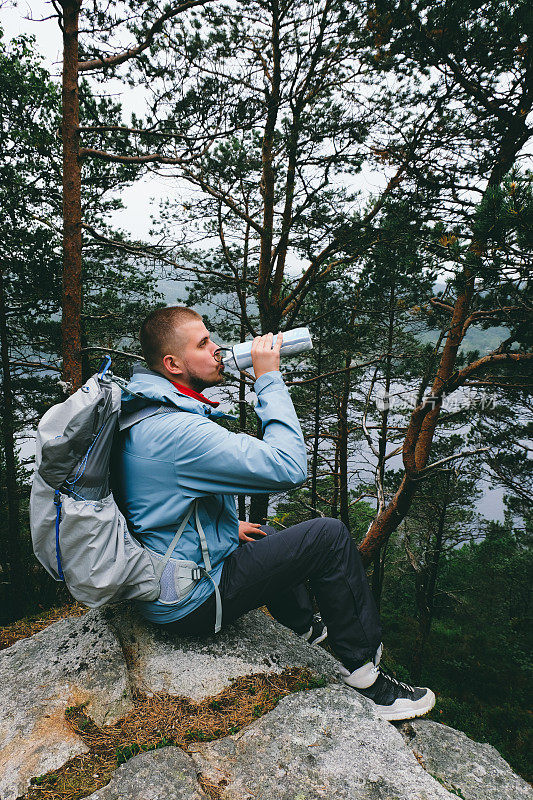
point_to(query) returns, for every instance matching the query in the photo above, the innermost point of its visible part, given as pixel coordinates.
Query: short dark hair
(158, 332)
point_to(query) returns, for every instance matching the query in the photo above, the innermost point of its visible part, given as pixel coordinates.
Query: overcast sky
(24, 17)
(141, 199)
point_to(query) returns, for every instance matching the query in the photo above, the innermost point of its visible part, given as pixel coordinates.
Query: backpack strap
(207, 571)
(195, 573)
(170, 549)
(202, 537)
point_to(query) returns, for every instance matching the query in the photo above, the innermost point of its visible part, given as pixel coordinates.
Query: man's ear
(172, 365)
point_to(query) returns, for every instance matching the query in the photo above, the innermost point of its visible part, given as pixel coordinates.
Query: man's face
(198, 368)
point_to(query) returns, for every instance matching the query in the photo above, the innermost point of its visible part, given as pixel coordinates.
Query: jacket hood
(150, 387)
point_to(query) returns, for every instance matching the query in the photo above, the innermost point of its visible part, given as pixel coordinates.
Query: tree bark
(241, 500)
(267, 312)
(425, 596)
(12, 546)
(335, 495)
(72, 275)
(259, 502)
(420, 432)
(343, 448)
(388, 520)
(382, 443)
(318, 386)
(344, 433)
(446, 368)
(378, 574)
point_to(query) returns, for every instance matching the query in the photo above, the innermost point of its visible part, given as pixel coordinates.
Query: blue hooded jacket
(167, 461)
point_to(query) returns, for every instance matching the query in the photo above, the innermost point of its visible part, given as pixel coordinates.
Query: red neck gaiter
(196, 395)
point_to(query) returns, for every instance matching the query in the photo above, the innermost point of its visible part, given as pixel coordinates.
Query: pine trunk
(316, 432)
(344, 431)
(426, 602)
(259, 502)
(11, 546)
(72, 277)
(419, 435)
(241, 499)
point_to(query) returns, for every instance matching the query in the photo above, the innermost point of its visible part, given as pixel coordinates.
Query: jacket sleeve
(211, 460)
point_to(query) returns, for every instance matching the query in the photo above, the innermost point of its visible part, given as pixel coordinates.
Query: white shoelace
(395, 680)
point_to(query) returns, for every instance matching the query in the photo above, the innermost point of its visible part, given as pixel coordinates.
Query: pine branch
(144, 250)
(463, 454)
(112, 61)
(35, 365)
(477, 315)
(335, 372)
(459, 377)
(136, 356)
(147, 158)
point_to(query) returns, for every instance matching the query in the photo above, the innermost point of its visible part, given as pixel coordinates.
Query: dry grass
(161, 720)
(212, 790)
(27, 626)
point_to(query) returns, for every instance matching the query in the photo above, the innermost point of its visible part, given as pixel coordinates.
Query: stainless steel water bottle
(295, 341)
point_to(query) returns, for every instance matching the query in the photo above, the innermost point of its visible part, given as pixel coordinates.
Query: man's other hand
(265, 358)
(250, 531)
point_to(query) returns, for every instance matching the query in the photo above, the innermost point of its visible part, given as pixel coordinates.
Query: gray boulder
(472, 770)
(327, 743)
(202, 667)
(167, 774)
(319, 744)
(73, 661)
(97, 659)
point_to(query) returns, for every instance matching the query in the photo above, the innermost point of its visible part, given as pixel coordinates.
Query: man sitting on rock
(176, 461)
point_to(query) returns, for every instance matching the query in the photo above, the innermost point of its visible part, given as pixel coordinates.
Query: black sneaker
(317, 632)
(395, 700)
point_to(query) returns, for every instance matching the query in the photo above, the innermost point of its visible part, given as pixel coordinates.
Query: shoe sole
(426, 704)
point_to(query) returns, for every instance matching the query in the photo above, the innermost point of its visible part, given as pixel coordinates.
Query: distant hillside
(476, 339)
(175, 292)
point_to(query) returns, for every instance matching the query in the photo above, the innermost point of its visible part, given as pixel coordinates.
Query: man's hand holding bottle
(265, 357)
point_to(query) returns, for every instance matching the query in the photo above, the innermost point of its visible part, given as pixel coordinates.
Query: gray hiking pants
(270, 571)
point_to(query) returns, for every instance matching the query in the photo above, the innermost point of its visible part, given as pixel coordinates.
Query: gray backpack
(78, 532)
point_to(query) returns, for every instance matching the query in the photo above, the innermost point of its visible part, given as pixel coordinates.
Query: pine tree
(116, 293)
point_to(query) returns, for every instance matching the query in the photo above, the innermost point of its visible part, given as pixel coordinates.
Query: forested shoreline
(360, 168)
